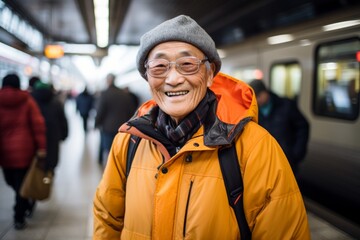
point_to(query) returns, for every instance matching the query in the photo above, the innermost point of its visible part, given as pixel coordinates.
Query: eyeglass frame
(177, 66)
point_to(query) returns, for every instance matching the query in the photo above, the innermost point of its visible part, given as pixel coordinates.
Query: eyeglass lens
(184, 65)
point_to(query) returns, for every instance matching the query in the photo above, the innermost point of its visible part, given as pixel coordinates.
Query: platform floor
(67, 215)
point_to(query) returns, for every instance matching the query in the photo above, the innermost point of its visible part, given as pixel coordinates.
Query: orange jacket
(184, 196)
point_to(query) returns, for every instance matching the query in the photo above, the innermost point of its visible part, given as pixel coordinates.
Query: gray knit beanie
(181, 28)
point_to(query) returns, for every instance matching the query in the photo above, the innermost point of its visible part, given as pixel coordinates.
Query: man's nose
(174, 77)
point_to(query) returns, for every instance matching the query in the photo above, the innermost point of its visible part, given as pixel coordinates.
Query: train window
(336, 85)
(247, 74)
(285, 79)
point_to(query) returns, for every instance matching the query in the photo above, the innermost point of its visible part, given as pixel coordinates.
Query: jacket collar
(235, 107)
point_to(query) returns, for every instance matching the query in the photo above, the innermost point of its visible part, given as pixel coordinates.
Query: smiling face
(178, 94)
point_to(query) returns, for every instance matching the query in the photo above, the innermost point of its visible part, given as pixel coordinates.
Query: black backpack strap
(230, 169)
(133, 144)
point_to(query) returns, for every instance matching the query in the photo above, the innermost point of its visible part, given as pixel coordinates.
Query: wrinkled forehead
(174, 49)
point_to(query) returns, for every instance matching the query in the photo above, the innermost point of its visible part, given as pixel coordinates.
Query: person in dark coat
(115, 106)
(84, 104)
(135, 97)
(283, 119)
(22, 136)
(56, 122)
(32, 81)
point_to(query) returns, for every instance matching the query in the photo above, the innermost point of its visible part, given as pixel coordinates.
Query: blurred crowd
(33, 123)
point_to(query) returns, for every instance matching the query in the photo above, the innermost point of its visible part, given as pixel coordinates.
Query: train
(318, 65)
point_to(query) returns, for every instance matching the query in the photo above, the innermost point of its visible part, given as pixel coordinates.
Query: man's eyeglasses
(159, 68)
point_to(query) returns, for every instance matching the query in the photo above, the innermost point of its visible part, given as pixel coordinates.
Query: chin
(173, 113)
(178, 110)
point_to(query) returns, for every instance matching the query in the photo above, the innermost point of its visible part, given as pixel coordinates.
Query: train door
(287, 73)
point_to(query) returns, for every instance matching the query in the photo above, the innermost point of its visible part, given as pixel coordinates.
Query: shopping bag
(37, 182)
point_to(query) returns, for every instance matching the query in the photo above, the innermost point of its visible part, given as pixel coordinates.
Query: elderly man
(175, 188)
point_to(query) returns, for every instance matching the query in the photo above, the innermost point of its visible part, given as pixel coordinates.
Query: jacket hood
(236, 99)
(236, 105)
(12, 97)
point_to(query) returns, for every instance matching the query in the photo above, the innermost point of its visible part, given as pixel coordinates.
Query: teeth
(170, 94)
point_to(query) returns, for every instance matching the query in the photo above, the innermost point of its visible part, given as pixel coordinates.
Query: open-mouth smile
(175, 94)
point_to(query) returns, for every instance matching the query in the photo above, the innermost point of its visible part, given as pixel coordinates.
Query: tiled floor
(67, 215)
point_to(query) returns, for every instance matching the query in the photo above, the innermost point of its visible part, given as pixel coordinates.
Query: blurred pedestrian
(56, 122)
(283, 119)
(115, 106)
(84, 104)
(32, 81)
(135, 97)
(22, 136)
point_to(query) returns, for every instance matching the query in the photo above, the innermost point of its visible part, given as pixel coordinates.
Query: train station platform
(67, 215)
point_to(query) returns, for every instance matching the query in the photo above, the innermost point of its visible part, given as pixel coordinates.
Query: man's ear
(211, 75)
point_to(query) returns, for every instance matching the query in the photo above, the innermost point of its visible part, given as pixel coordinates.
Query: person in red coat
(22, 135)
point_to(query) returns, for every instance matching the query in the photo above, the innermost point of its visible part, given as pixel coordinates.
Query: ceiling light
(305, 42)
(13, 54)
(280, 39)
(340, 25)
(79, 48)
(101, 11)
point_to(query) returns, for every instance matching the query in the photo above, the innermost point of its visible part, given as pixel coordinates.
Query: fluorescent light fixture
(330, 66)
(340, 25)
(14, 54)
(305, 42)
(101, 11)
(79, 48)
(280, 39)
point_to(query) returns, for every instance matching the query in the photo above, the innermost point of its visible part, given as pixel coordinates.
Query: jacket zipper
(187, 207)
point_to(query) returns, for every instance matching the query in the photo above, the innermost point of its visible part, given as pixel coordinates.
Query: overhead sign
(53, 51)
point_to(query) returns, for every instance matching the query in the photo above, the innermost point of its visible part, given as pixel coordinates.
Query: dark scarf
(179, 134)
